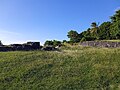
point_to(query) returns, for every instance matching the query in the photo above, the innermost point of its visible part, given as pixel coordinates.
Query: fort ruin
(20, 47)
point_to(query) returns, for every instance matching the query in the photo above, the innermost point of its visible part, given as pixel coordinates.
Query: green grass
(74, 68)
(112, 40)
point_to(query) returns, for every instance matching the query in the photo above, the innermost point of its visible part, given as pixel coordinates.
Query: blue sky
(41, 20)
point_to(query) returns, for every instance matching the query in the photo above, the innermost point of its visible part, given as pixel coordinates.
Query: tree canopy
(53, 43)
(74, 36)
(106, 31)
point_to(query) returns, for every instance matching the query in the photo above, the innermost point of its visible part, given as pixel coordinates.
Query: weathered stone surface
(34, 45)
(107, 44)
(27, 47)
(21, 47)
(49, 48)
(4, 48)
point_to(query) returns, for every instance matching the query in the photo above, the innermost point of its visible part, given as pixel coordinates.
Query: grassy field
(73, 68)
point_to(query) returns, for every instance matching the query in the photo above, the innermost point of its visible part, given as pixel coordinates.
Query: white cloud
(118, 8)
(8, 32)
(8, 37)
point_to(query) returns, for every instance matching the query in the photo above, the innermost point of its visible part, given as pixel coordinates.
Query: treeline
(109, 30)
(53, 43)
(106, 31)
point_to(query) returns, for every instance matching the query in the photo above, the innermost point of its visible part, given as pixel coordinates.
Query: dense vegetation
(74, 68)
(53, 43)
(109, 30)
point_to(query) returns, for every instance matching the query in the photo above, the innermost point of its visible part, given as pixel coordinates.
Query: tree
(107, 30)
(104, 30)
(115, 27)
(64, 41)
(53, 43)
(74, 36)
(57, 43)
(47, 43)
(116, 16)
(94, 30)
(94, 24)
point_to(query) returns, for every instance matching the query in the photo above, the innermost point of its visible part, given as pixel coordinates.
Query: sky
(41, 20)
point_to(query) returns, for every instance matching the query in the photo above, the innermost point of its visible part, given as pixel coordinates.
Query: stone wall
(27, 47)
(107, 44)
(21, 47)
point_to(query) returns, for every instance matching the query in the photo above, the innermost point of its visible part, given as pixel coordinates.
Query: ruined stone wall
(21, 47)
(107, 44)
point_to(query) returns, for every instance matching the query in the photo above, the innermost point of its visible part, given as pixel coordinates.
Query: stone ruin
(20, 47)
(107, 44)
(26, 47)
(49, 48)
(1, 43)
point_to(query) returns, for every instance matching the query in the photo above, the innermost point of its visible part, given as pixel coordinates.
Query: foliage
(48, 43)
(106, 31)
(74, 36)
(53, 43)
(64, 41)
(115, 27)
(94, 24)
(57, 43)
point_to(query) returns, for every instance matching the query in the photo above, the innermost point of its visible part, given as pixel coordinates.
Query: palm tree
(94, 25)
(94, 29)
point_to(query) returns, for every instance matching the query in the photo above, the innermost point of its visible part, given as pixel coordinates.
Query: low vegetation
(73, 68)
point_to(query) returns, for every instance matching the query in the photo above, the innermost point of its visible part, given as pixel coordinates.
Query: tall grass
(73, 68)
